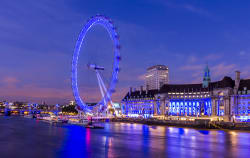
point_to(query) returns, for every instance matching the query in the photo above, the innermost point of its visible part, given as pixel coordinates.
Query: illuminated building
(72, 102)
(185, 100)
(227, 100)
(117, 109)
(157, 76)
(240, 101)
(139, 103)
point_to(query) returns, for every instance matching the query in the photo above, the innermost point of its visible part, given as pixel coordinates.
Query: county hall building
(227, 99)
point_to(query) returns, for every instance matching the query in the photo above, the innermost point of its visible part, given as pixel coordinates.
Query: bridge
(8, 111)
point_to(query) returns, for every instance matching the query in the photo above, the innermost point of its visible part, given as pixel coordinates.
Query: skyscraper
(156, 77)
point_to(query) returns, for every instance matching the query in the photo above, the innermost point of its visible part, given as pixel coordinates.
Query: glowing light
(105, 22)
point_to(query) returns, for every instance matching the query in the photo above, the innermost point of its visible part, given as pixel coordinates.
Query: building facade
(156, 77)
(139, 103)
(227, 100)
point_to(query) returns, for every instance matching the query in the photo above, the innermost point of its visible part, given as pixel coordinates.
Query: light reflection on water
(32, 138)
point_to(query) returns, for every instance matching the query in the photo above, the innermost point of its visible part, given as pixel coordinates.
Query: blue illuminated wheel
(108, 25)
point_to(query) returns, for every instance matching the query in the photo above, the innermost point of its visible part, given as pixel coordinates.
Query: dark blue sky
(37, 39)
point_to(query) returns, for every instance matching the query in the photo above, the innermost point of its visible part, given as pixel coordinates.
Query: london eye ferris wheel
(106, 89)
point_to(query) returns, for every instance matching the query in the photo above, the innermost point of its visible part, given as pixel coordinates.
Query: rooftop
(143, 94)
(224, 83)
(244, 83)
(158, 67)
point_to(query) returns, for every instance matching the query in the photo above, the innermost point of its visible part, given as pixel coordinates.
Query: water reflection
(204, 132)
(76, 142)
(134, 140)
(116, 140)
(145, 140)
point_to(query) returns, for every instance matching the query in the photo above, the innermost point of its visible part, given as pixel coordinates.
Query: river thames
(27, 138)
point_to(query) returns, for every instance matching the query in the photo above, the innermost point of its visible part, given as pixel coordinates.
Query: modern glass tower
(156, 77)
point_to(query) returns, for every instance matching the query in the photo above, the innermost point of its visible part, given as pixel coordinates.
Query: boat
(73, 121)
(7, 112)
(59, 123)
(94, 127)
(64, 121)
(46, 117)
(28, 116)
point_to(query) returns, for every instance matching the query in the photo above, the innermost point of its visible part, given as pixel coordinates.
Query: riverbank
(198, 123)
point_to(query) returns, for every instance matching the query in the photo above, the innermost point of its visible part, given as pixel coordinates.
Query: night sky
(37, 40)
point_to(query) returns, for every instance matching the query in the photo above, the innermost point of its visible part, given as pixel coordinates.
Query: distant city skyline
(38, 37)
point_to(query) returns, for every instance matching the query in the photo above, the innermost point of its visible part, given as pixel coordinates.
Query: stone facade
(227, 100)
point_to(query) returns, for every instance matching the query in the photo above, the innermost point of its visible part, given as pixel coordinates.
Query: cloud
(192, 67)
(192, 59)
(193, 72)
(212, 57)
(10, 80)
(35, 93)
(242, 53)
(220, 70)
(189, 8)
(197, 10)
(245, 72)
(141, 77)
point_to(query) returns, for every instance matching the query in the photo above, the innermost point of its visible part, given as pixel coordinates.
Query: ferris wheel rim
(109, 27)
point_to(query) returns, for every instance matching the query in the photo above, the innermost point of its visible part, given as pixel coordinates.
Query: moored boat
(94, 127)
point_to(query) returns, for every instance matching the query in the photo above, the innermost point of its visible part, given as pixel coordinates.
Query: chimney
(147, 88)
(237, 75)
(237, 81)
(141, 90)
(134, 89)
(130, 90)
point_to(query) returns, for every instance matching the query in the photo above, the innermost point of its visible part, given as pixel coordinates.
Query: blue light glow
(190, 107)
(105, 22)
(144, 108)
